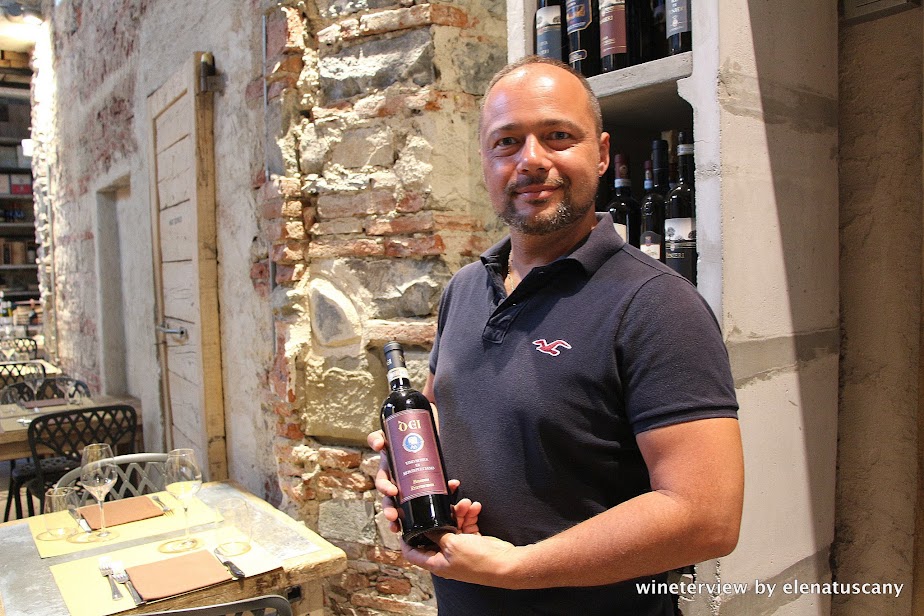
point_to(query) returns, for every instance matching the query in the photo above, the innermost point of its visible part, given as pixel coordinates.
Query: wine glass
(97, 474)
(183, 478)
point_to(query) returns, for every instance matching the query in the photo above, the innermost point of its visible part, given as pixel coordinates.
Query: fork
(121, 576)
(167, 510)
(105, 568)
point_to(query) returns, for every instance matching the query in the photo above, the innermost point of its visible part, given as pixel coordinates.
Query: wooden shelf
(26, 266)
(645, 96)
(17, 226)
(16, 197)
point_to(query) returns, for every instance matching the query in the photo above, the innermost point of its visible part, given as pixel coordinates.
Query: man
(584, 396)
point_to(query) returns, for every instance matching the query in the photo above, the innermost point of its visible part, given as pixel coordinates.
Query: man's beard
(565, 214)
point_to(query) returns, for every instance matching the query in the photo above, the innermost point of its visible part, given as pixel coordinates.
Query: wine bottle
(414, 455)
(583, 25)
(679, 37)
(651, 240)
(626, 212)
(660, 166)
(614, 40)
(680, 215)
(658, 32)
(549, 30)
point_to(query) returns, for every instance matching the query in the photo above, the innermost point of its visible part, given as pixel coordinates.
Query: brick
(338, 226)
(325, 248)
(290, 431)
(278, 87)
(285, 64)
(272, 207)
(413, 223)
(289, 273)
(457, 222)
(330, 457)
(413, 333)
(365, 203)
(414, 17)
(389, 604)
(432, 245)
(255, 90)
(288, 252)
(393, 586)
(285, 31)
(332, 479)
(351, 581)
(412, 203)
(379, 554)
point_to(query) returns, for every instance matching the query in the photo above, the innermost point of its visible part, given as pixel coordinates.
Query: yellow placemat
(199, 513)
(87, 593)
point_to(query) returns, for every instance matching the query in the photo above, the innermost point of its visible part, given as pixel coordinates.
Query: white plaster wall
(170, 31)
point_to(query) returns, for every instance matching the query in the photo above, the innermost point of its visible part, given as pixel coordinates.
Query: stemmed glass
(97, 474)
(183, 478)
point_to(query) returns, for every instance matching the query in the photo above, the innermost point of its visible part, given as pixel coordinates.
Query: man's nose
(533, 156)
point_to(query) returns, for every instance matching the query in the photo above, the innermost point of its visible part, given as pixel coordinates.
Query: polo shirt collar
(602, 243)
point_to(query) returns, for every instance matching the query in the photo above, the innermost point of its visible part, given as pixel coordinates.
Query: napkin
(35, 404)
(174, 576)
(121, 511)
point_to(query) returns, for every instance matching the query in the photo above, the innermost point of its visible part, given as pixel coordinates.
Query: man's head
(542, 146)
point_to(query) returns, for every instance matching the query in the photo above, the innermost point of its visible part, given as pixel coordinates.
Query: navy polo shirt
(540, 396)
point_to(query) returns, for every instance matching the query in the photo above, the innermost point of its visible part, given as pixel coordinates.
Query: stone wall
(376, 200)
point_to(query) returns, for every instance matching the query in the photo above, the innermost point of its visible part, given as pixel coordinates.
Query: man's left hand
(467, 558)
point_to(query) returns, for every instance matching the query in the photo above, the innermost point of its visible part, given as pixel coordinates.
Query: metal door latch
(178, 331)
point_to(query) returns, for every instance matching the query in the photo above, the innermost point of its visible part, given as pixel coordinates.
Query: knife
(81, 522)
(234, 569)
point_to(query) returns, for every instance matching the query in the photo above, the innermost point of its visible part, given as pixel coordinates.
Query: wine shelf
(645, 95)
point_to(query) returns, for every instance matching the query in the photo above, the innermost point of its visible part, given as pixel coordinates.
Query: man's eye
(506, 142)
(559, 135)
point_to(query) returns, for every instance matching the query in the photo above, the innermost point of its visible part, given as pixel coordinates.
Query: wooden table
(14, 444)
(27, 586)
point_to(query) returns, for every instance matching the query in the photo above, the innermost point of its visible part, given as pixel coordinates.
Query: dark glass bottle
(679, 28)
(660, 164)
(614, 35)
(626, 211)
(680, 215)
(583, 25)
(550, 42)
(414, 455)
(651, 240)
(657, 34)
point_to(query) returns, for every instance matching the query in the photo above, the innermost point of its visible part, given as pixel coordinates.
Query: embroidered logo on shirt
(551, 348)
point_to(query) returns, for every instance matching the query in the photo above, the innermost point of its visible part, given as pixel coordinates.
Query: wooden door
(185, 268)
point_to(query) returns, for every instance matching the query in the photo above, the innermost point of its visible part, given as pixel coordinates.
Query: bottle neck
(685, 166)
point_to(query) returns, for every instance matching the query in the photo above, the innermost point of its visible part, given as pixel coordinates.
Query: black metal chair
(15, 371)
(65, 433)
(267, 605)
(136, 474)
(24, 392)
(47, 388)
(19, 345)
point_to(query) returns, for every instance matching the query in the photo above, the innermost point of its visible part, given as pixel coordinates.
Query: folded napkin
(35, 404)
(174, 576)
(121, 511)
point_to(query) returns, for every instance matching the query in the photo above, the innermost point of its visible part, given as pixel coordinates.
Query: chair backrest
(15, 371)
(19, 345)
(48, 388)
(267, 605)
(66, 433)
(136, 474)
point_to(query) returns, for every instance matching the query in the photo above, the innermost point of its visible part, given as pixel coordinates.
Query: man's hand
(468, 558)
(465, 511)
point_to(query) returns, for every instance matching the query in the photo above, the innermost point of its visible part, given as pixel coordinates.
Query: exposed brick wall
(376, 202)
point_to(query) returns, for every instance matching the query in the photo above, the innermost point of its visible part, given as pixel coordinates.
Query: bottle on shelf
(678, 28)
(626, 211)
(651, 240)
(583, 26)
(660, 166)
(614, 35)
(414, 455)
(657, 34)
(680, 214)
(550, 42)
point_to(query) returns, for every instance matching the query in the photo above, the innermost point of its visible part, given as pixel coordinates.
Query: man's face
(540, 152)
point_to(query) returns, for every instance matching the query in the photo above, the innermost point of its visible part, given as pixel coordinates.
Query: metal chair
(267, 605)
(66, 433)
(136, 474)
(48, 388)
(15, 371)
(19, 345)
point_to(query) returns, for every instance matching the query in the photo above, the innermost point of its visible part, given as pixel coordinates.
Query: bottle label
(398, 373)
(622, 183)
(612, 27)
(678, 17)
(548, 32)
(680, 245)
(621, 230)
(684, 149)
(577, 15)
(650, 244)
(415, 457)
